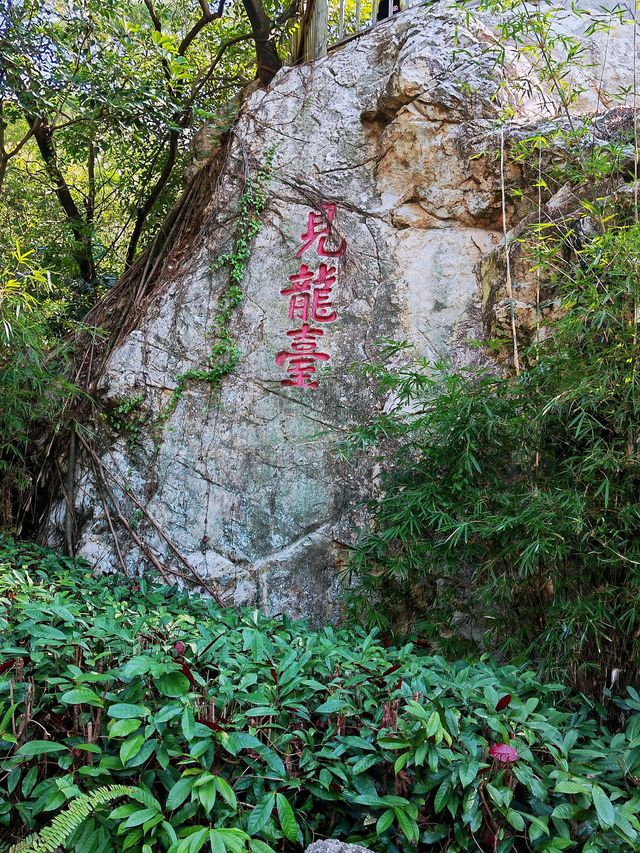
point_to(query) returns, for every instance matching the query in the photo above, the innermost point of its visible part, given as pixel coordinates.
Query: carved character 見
(319, 228)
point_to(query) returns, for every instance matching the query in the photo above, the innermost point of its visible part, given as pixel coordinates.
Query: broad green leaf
(122, 728)
(172, 684)
(261, 813)
(145, 752)
(515, 819)
(82, 696)
(47, 632)
(235, 840)
(365, 763)
(262, 711)
(433, 724)
(207, 795)
(89, 747)
(124, 810)
(408, 826)
(570, 787)
(215, 842)
(137, 665)
(195, 841)
(468, 772)
(139, 817)
(442, 796)
(179, 792)
(130, 747)
(188, 724)
(384, 821)
(604, 807)
(331, 706)
(287, 818)
(38, 747)
(226, 792)
(258, 846)
(167, 713)
(125, 711)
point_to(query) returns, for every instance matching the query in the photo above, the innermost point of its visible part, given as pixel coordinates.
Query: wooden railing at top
(326, 24)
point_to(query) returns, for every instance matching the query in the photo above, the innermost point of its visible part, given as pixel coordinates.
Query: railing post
(321, 27)
(311, 40)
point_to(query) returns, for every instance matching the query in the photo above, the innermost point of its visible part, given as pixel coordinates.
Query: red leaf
(503, 753)
(504, 702)
(210, 724)
(274, 674)
(7, 665)
(187, 671)
(391, 669)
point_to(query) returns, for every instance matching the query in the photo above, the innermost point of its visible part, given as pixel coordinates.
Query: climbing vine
(127, 420)
(225, 354)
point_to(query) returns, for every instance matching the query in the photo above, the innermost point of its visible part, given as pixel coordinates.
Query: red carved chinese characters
(310, 295)
(310, 301)
(319, 228)
(301, 360)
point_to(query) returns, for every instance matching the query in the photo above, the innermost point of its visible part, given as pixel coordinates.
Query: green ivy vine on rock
(127, 420)
(225, 353)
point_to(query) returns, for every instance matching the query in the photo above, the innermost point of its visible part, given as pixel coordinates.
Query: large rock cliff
(386, 189)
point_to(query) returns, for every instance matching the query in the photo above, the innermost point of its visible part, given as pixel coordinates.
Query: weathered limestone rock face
(332, 846)
(397, 130)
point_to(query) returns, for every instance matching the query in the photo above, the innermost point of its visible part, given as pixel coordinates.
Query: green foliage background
(511, 497)
(508, 496)
(119, 101)
(232, 731)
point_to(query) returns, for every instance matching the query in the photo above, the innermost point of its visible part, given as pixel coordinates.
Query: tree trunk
(3, 169)
(266, 51)
(152, 198)
(80, 228)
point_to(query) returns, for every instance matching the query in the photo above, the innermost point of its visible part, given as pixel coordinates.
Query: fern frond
(54, 836)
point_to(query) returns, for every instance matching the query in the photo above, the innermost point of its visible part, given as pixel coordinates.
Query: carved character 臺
(300, 360)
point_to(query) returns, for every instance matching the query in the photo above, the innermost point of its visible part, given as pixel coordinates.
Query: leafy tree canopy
(99, 102)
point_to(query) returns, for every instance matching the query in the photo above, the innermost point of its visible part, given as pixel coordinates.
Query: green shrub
(515, 497)
(33, 387)
(242, 732)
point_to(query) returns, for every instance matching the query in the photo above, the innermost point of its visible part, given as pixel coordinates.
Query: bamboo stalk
(509, 282)
(341, 24)
(358, 13)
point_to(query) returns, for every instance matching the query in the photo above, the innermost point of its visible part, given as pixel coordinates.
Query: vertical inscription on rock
(310, 301)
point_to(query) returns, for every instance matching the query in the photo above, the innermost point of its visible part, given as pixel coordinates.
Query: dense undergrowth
(509, 493)
(34, 388)
(228, 730)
